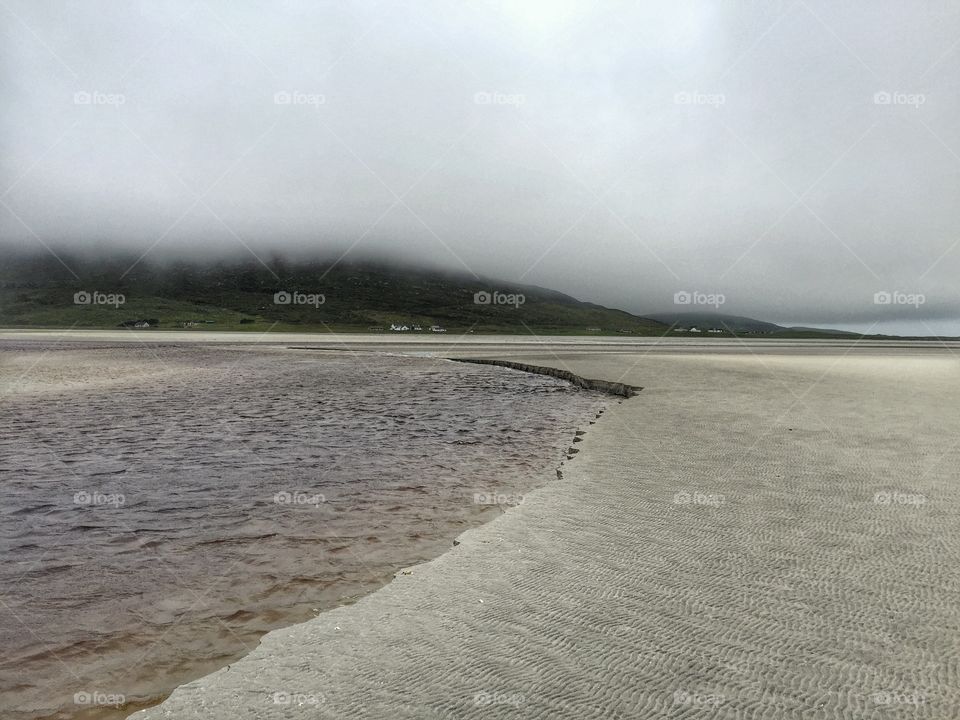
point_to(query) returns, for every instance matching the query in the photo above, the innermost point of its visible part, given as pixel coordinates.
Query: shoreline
(470, 539)
(619, 390)
(346, 341)
(712, 549)
(614, 389)
(544, 476)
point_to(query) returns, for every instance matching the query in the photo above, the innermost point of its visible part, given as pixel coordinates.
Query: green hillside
(39, 291)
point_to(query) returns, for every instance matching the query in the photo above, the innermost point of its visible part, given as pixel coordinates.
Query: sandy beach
(762, 532)
(478, 361)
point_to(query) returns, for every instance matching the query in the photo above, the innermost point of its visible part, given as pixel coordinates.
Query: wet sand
(765, 531)
(167, 504)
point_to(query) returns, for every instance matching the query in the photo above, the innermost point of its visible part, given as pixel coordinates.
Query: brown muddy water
(165, 506)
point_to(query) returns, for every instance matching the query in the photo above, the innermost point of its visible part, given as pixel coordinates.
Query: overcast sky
(796, 157)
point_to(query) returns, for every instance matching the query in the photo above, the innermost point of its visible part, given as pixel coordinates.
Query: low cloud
(796, 158)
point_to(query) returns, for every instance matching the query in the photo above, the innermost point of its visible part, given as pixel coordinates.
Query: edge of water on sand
(620, 390)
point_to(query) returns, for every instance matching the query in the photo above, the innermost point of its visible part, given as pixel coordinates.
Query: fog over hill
(797, 158)
(283, 293)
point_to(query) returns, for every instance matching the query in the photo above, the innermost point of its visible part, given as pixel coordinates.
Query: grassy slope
(37, 292)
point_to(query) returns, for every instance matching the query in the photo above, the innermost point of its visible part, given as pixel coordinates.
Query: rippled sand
(166, 505)
(758, 534)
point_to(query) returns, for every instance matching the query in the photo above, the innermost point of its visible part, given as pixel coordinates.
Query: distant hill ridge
(111, 289)
(40, 291)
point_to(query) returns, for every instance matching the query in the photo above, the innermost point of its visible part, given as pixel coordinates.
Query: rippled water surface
(164, 506)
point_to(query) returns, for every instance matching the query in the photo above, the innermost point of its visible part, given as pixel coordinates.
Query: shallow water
(165, 506)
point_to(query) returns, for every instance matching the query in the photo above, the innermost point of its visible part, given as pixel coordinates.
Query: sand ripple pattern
(748, 538)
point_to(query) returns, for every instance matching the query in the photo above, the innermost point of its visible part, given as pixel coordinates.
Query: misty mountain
(41, 290)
